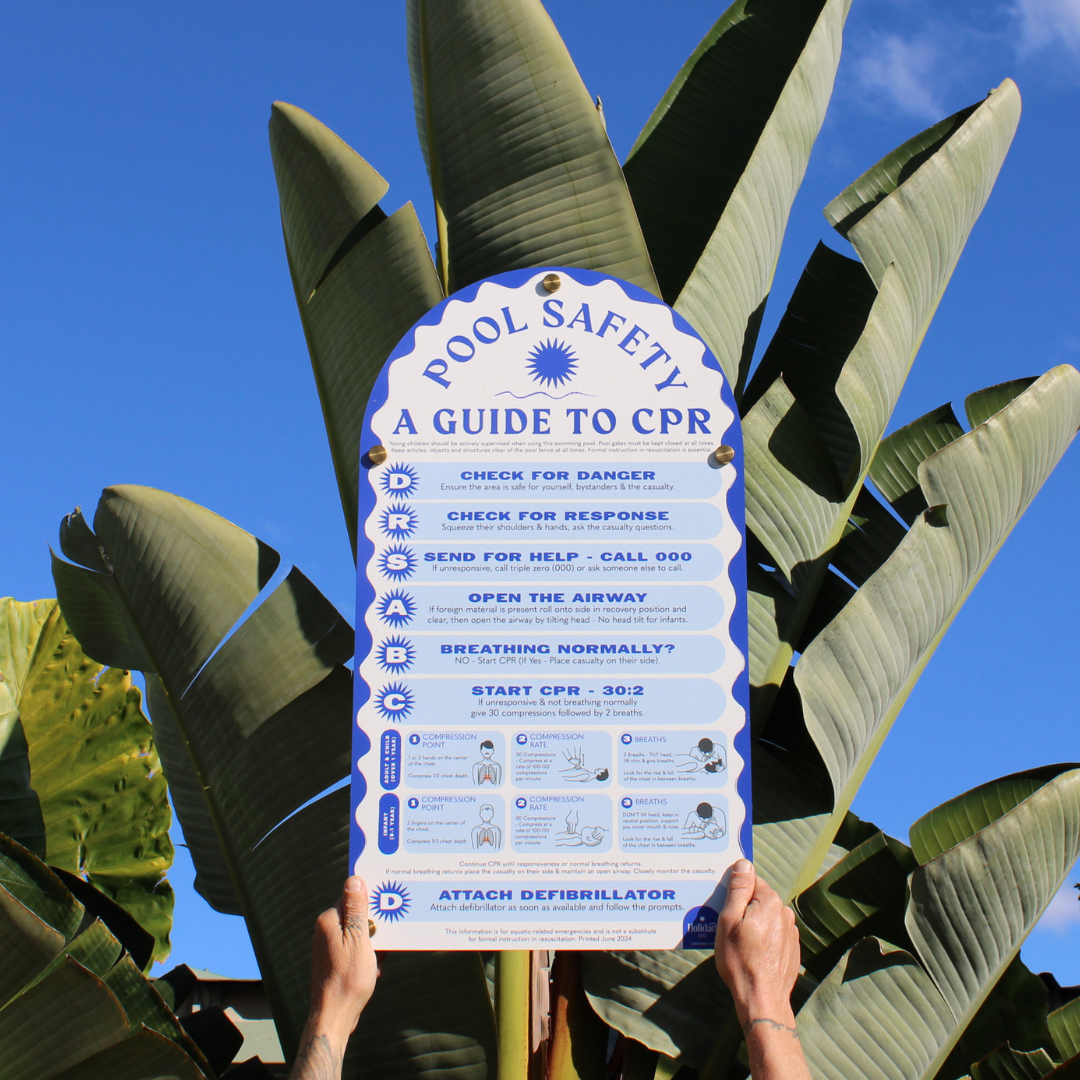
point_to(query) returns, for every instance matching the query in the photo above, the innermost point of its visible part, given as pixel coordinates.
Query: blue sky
(148, 332)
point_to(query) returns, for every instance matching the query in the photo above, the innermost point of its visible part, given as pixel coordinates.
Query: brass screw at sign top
(377, 455)
(724, 454)
(552, 282)
(371, 928)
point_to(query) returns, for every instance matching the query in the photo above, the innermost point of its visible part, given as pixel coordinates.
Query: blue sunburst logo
(399, 480)
(390, 901)
(394, 701)
(397, 562)
(398, 521)
(552, 363)
(395, 654)
(396, 608)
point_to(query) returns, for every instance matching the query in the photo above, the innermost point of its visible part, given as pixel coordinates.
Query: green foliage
(232, 719)
(520, 164)
(862, 547)
(72, 1004)
(940, 981)
(93, 796)
(361, 278)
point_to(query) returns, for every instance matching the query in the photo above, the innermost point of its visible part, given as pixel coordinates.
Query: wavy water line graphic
(542, 393)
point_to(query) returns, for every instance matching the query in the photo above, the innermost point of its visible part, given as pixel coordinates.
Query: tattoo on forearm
(316, 1061)
(774, 1024)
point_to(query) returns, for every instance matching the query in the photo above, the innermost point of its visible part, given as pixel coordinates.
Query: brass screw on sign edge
(552, 282)
(724, 454)
(371, 928)
(377, 455)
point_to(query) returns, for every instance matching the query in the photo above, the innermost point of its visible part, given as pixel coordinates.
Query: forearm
(322, 1048)
(772, 1044)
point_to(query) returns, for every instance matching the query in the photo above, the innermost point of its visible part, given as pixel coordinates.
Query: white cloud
(1048, 23)
(900, 72)
(1063, 914)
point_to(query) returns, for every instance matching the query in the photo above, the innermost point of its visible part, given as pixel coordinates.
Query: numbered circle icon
(414, 739)
(627, 740)
(627, 803)
(414, 802)
(522, 739)
(521, 803)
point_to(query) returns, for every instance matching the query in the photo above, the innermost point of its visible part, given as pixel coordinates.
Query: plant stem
(724, 1051)
(578, 1036)
(512, 1013)
(639, 1062)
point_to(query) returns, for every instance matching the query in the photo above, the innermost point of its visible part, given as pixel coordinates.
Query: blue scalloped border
(365, 594)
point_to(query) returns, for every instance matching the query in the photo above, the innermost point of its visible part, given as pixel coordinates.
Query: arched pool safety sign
(550, 740)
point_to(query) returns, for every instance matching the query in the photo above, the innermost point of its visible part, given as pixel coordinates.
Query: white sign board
(551, 738)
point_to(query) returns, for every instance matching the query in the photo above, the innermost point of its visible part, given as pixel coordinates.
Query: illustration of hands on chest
(578, 771)
(487, 835)
(576, 835)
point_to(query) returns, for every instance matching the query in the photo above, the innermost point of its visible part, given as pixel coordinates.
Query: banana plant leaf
(93, 766)
(236, 703)
(895, 212)
(72, 1003)
(809, 416)
(871, 536)
(1067, 1070)
(724, 294)
(895, 468)
(20, 808)
(671, 1001)
(361, 278)
(688, 160)
(877, 1014)
(981, 405)
(520, 164)
(888, 1012)
(1014, 1011)
(94, 947)
(853, 679)
(921, 223)
(865, 894)
(797, 812)
(1007, 869)
(1010, 1064)
(141, 1056)
(1064, 1025)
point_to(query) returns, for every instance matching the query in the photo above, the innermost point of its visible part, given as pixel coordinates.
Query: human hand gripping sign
(757, 956)
(343, 973)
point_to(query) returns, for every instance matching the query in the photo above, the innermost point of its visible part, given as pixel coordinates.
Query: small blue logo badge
(699, 928)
